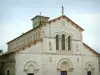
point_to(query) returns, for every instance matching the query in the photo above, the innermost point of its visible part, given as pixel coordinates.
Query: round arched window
(63, 42)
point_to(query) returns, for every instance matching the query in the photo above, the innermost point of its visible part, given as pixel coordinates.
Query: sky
(16, 15)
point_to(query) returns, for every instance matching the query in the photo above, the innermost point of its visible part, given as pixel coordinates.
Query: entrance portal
(64, 67)
(63, 72)
(30, 74)
(89, 73)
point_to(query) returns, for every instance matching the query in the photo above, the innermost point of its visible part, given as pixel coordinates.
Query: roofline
(23, 34)
(68, 19)
(83, 44)
(91, 48)
(8, 52)
(28, 45)
(46, 23)
(74, 23)
(40, 16)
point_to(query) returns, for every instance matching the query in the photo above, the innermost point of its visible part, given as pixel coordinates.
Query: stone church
(51, 47)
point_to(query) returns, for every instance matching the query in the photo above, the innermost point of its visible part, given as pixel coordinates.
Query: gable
(56, 26)
(68, 20)
(88, 50)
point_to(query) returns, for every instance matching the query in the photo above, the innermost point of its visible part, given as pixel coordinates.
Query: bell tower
(39, 20)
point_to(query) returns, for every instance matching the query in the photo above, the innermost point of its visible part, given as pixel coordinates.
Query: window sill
(64, 51)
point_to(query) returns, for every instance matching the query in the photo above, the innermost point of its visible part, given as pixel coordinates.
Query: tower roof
(39, 16)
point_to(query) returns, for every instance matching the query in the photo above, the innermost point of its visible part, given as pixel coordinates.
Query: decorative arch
(8, 71)
(56, 33)
(60, 33)
(89, 68)
(65, 64)
(65, 33)
(88, 64)
(62, 41)
(69, 34)
(31, 66)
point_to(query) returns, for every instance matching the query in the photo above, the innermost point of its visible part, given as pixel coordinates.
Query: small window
(24, 41)
(50, 46)
(69, 43)
(8, 72)
(27, 39)
(36, 23)
(77, 47)
(40, 22)
(31, 38)
(34, 36)
(38, 35)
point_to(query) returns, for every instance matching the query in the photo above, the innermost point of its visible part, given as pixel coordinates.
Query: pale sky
(15, 17)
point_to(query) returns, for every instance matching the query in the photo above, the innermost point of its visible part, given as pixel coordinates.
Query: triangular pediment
(68, 20)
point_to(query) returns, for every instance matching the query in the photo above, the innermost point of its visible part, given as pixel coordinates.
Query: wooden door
(63, 72)
(30, 74)
(89, 73)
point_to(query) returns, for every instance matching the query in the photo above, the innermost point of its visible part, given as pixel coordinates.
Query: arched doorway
(89, 68)
(8, 72)
(64, 67)
(63, 72)
(31, 68)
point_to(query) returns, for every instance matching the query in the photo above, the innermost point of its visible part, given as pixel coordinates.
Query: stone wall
(8, 63)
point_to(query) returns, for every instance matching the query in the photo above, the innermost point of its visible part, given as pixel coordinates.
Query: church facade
(52, 47)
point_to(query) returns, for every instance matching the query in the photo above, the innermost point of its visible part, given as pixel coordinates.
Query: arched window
(40, 22)
(63, 42)
(57, 42)
(8, 72)
(69, 42)
(38, 35)
(24, 41)
(34, 37)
